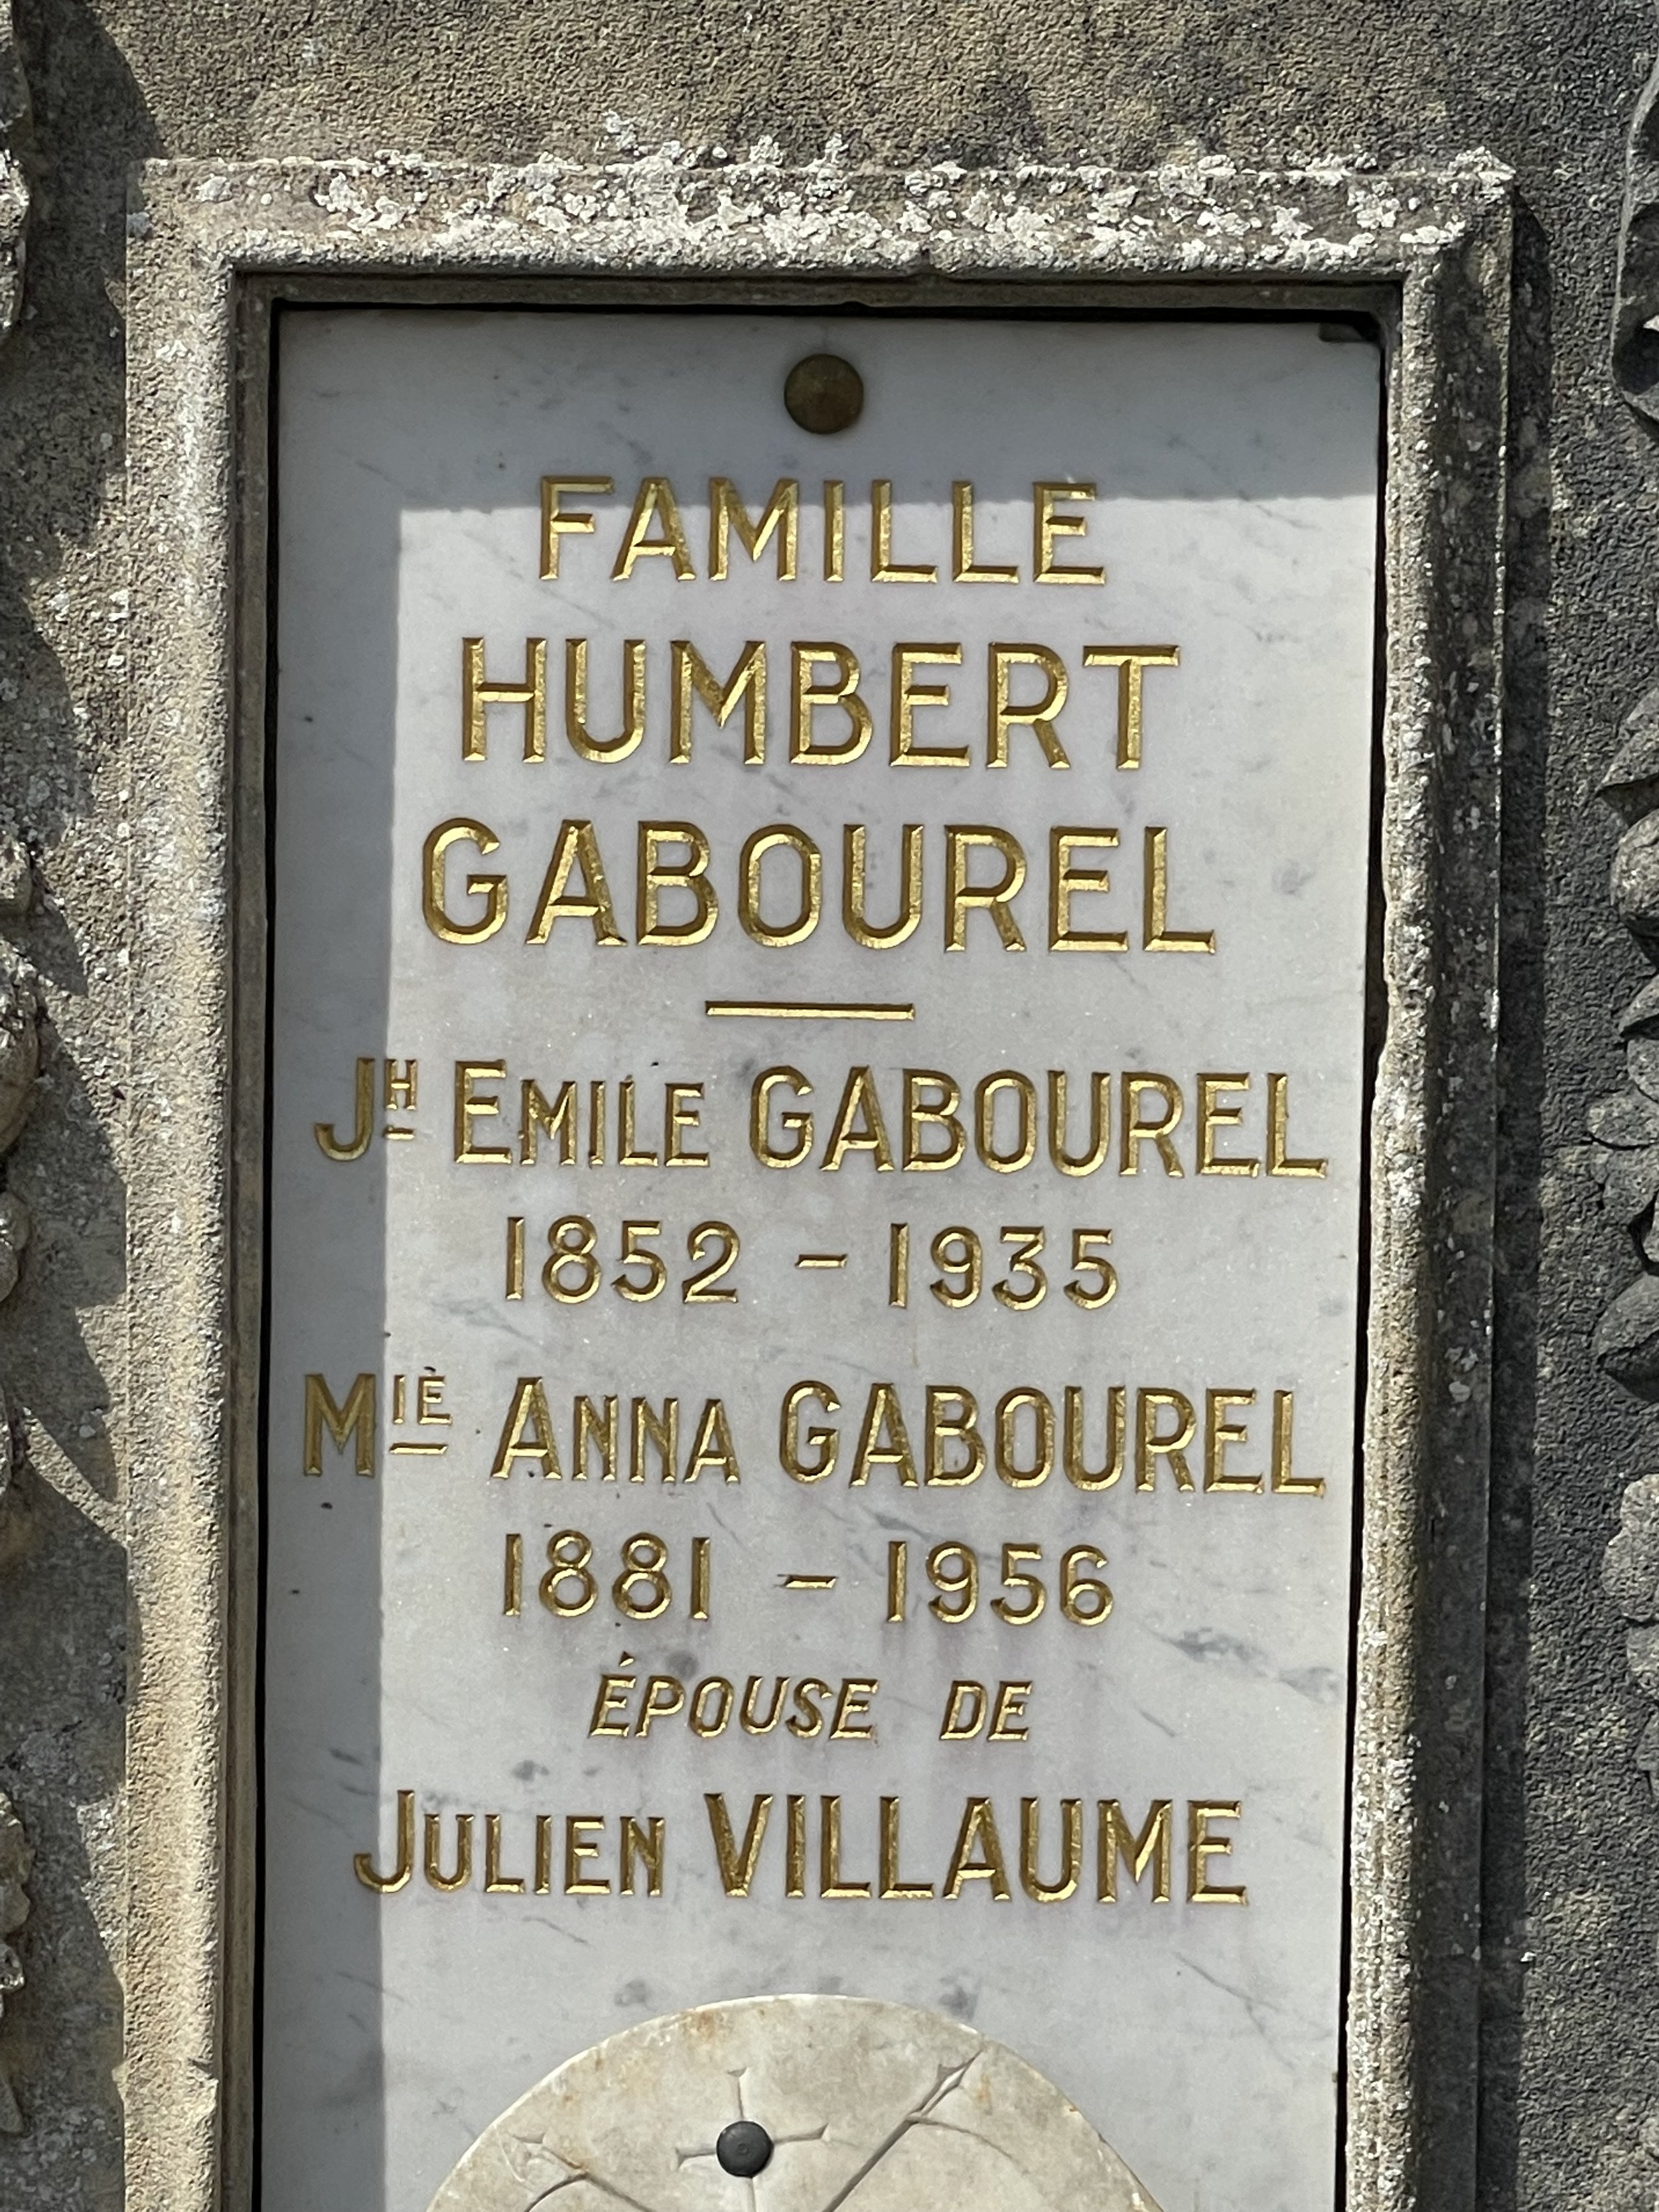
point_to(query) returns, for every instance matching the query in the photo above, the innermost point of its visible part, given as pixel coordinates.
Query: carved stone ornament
(16, 1858)
(843, 2101)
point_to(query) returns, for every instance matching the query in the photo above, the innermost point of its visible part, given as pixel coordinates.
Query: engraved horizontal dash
(810, 1010)
(424, 1451)
(821, 1259)
(390, 1132)
(809, 1581)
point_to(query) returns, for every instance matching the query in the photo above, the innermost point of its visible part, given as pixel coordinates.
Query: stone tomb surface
(816, 1211)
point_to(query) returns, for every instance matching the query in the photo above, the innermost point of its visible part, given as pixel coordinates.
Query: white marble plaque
(815, 1255)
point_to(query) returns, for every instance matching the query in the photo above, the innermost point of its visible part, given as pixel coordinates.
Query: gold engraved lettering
(643, 1845)
(528, 1433)
(612, 1705)
(785, 837)
(1038, 716)
(898, 1263)
(1218, 1433)
(964, 1712)
(1157, 936)
(711, 1707)
(806, 1722)
(1009, 1723)
(363, 1864)
(515, 1255)
(492, 890)
(654, 1432)
(1151, 1848)
(569, 1555)
(665, 1696)
(806, 697)
(328, 1141)
(1078, 1471)
(857, 1125)
(964, 567)
(855, 917)
(630, 1154)
(821, 1444)
(513, 1577)
(794, 1851)
(580, 1847)
(497, 1884)
(893, 1885)
(962, 839)
(1151, 1445)
(798, 1126)
(593, 1430)
(479, 694)
(834, 529)
(1100, 1124)
(354, 1421)
(555, 524)
(632, 732)
(883, 569)
(752, 1721)
(470, 1106)
(953, 1418)
(737, 1861)
(899, 1576)
(1047, 523)
(682, 1104)
(985, 1094)
(697, 1608)
(1016, 1475)
(1284, 1480)
(656, 876)
(712, 1445)
(978, 1834)
(544, 1855)
(558, 1121)
(938, 1113)
(431, 1851)
(1202, 1847)
(727, 514)
(575, 849)
(1066, 882)
(852, 1706)
(903, 750)
(1131, 662)
(1280, 1161)
(1138, 1131)
(744, 687)
(1213, 1115)
(1071, 1869)
(883, 1440)
(831, 1884)
(655, 503)
(402, 1086)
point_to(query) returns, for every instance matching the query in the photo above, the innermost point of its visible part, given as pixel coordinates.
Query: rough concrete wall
(1572, 1950)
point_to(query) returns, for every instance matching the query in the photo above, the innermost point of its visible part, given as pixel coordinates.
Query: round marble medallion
(871, 2106)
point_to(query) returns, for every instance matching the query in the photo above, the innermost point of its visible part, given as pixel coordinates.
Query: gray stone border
(210, 245)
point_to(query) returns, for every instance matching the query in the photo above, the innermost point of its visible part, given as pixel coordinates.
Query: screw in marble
(824, 393)
(744, 2148)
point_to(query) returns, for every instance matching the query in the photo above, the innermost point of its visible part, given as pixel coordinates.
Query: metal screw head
(825, 394)
(743, 2148)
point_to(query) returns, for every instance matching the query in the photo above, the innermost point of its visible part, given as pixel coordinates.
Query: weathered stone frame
(210, 248)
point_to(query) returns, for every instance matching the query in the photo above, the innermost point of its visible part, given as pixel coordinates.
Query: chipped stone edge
(204, 237)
